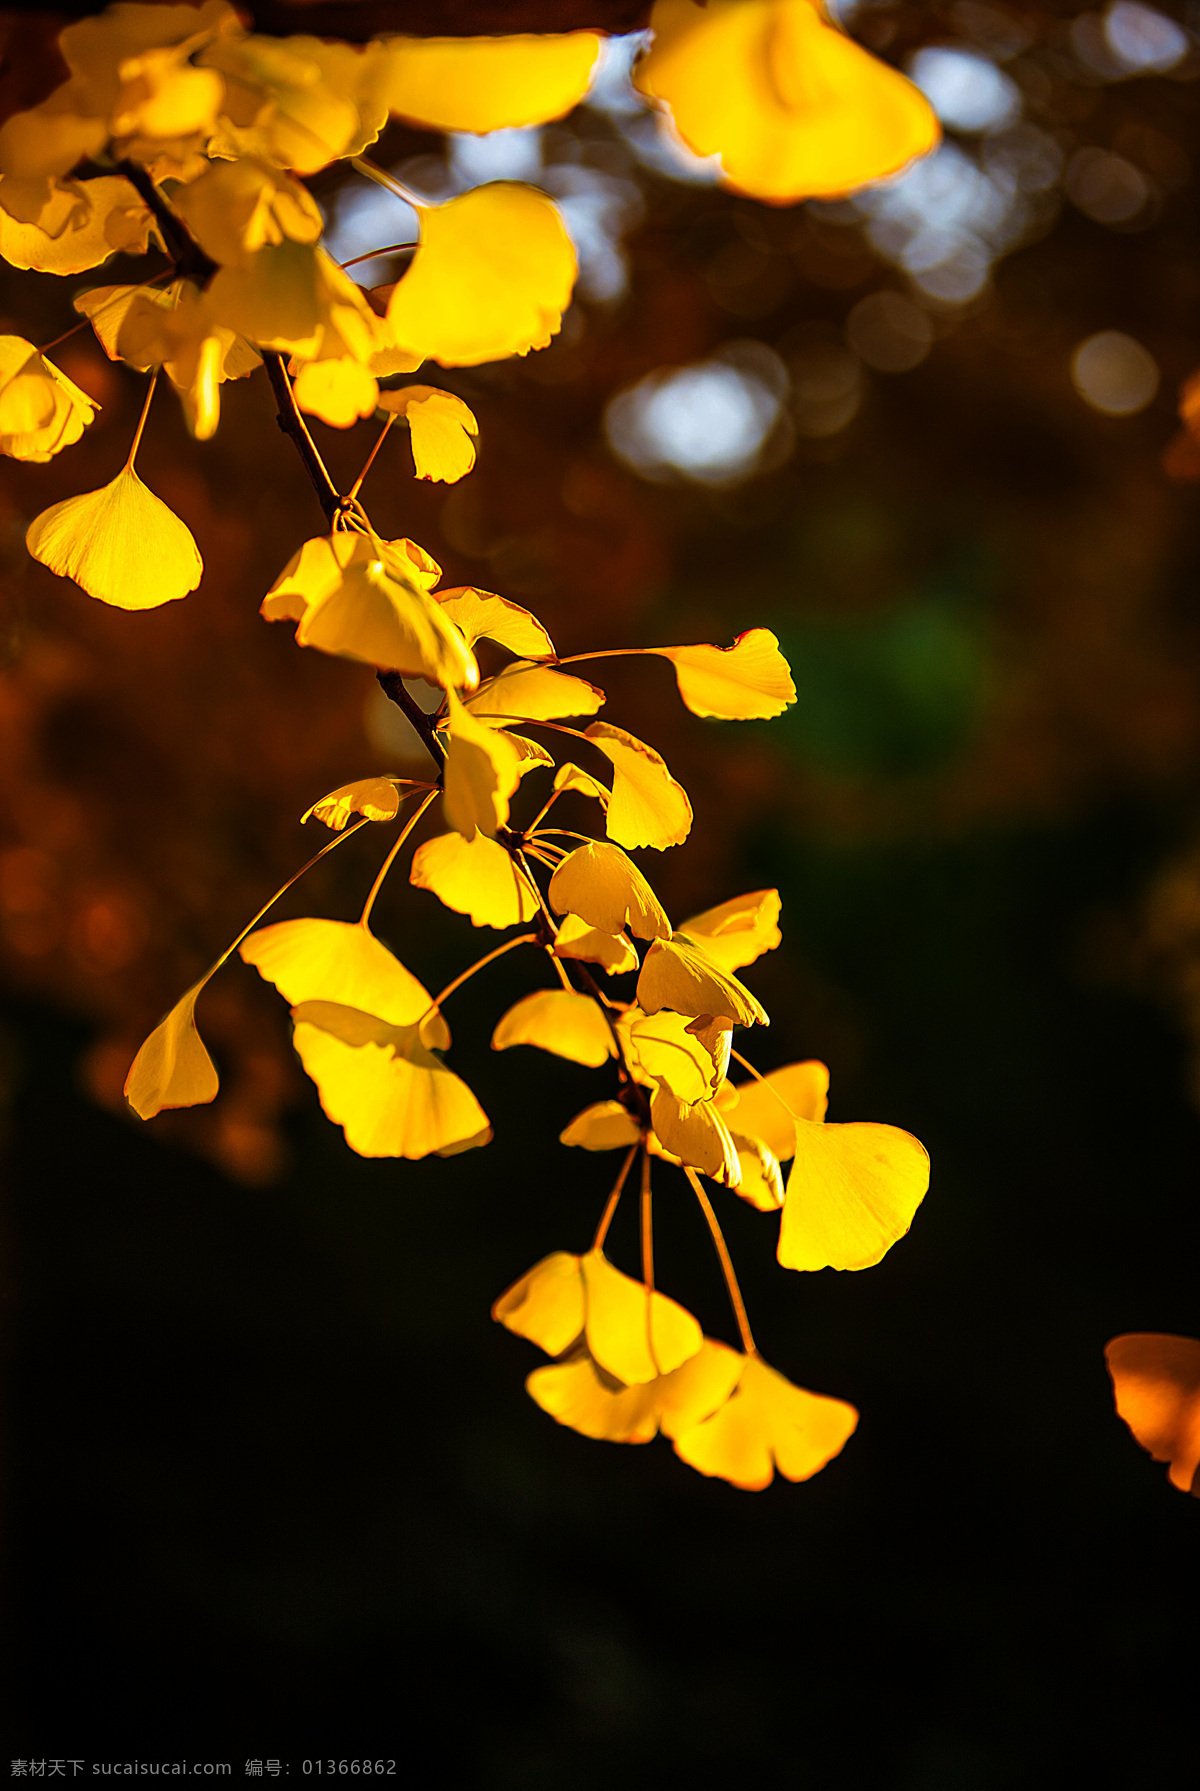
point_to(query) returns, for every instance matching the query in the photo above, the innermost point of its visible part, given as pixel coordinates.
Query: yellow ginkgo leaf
(492, 276)
(41, 410)
(172, 1069)
(546, 1304)
(236, 208)
(296, 101)
(475, 877)
(380, 1082)
(765, 1423)
(120, 544)
(606, 1125)
(378, 798)
(768, 1109)
(363, 599)
(750, 681)
(694, 1132)
(578, 1393)
(633, 1333)
(739, 931)
(761, 1183)
(647, 807)
(677, 974)
(794, 108)
(442, 430)
(614, 952)
(851, 1194)
(339, 391)
(482, 771)
(1156, 1385)
(341, 961)
(660, 1046)
(66, 227)
(570, 777)
(530, 753)
(483, 616)
(603, 887)
(561, 1021)
(486, 83)
(524, 692)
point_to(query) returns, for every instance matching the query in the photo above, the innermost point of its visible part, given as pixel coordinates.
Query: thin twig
(606, 1217)
(392, 686)
(731, 1280)
(293, 425)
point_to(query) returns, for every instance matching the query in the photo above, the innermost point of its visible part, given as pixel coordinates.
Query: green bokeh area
(283, 1493)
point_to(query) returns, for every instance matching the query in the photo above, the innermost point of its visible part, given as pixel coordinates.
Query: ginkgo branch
(610, 1205)
(731, 1280)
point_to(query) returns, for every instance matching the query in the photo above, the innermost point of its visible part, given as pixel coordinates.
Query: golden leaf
(765, 1423)
(474, 877)
(570, 777)
(380, 1082)
(647, 807)
(660, 1046)
(606, 1125)
(750, 681)
(377, 798)
(41, 410)
(677, 974)
(546, 1304)
(794, 108)
(236, 208)
(66, 227)
(339, 391)
(172, 1069)
(739, 931)
(614, 952)
(852, 1193)
(694, 1132)
(442, 430)
(491, 277)
(363, 599)
(525, 692)
(343, 962)
(482, 771)
(558, 1020)
(635, 1334)
(768, 1109)
(486, 83)
(120, 544)
(761, 1183)
(606, 889)
(483, 616)
(1156, 1385)
(578, 1393)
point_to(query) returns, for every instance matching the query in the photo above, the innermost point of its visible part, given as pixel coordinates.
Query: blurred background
(273, 1485)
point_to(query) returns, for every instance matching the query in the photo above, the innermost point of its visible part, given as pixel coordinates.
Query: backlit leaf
(558, 1020)
(120, 544)
(851, 1194)
(1156, 1384)
(482, 771)
(486, 83)
(475, 877)
(647, 807)
(607, 890)
(172, 1069)
(764, 1424)
(739, 931)
(750, 681)
(794, 108)
(442, 429)
(677, 974)
(492, 276)
(483, 616)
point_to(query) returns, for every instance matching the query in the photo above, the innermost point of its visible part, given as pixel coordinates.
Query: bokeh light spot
(1114, 374)
(889, 332)
(966, 90)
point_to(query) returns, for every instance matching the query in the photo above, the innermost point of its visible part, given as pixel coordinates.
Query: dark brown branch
(189, 258)
(293, 425)
(392, 686)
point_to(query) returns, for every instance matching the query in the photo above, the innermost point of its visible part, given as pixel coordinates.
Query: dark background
(273, 1486)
